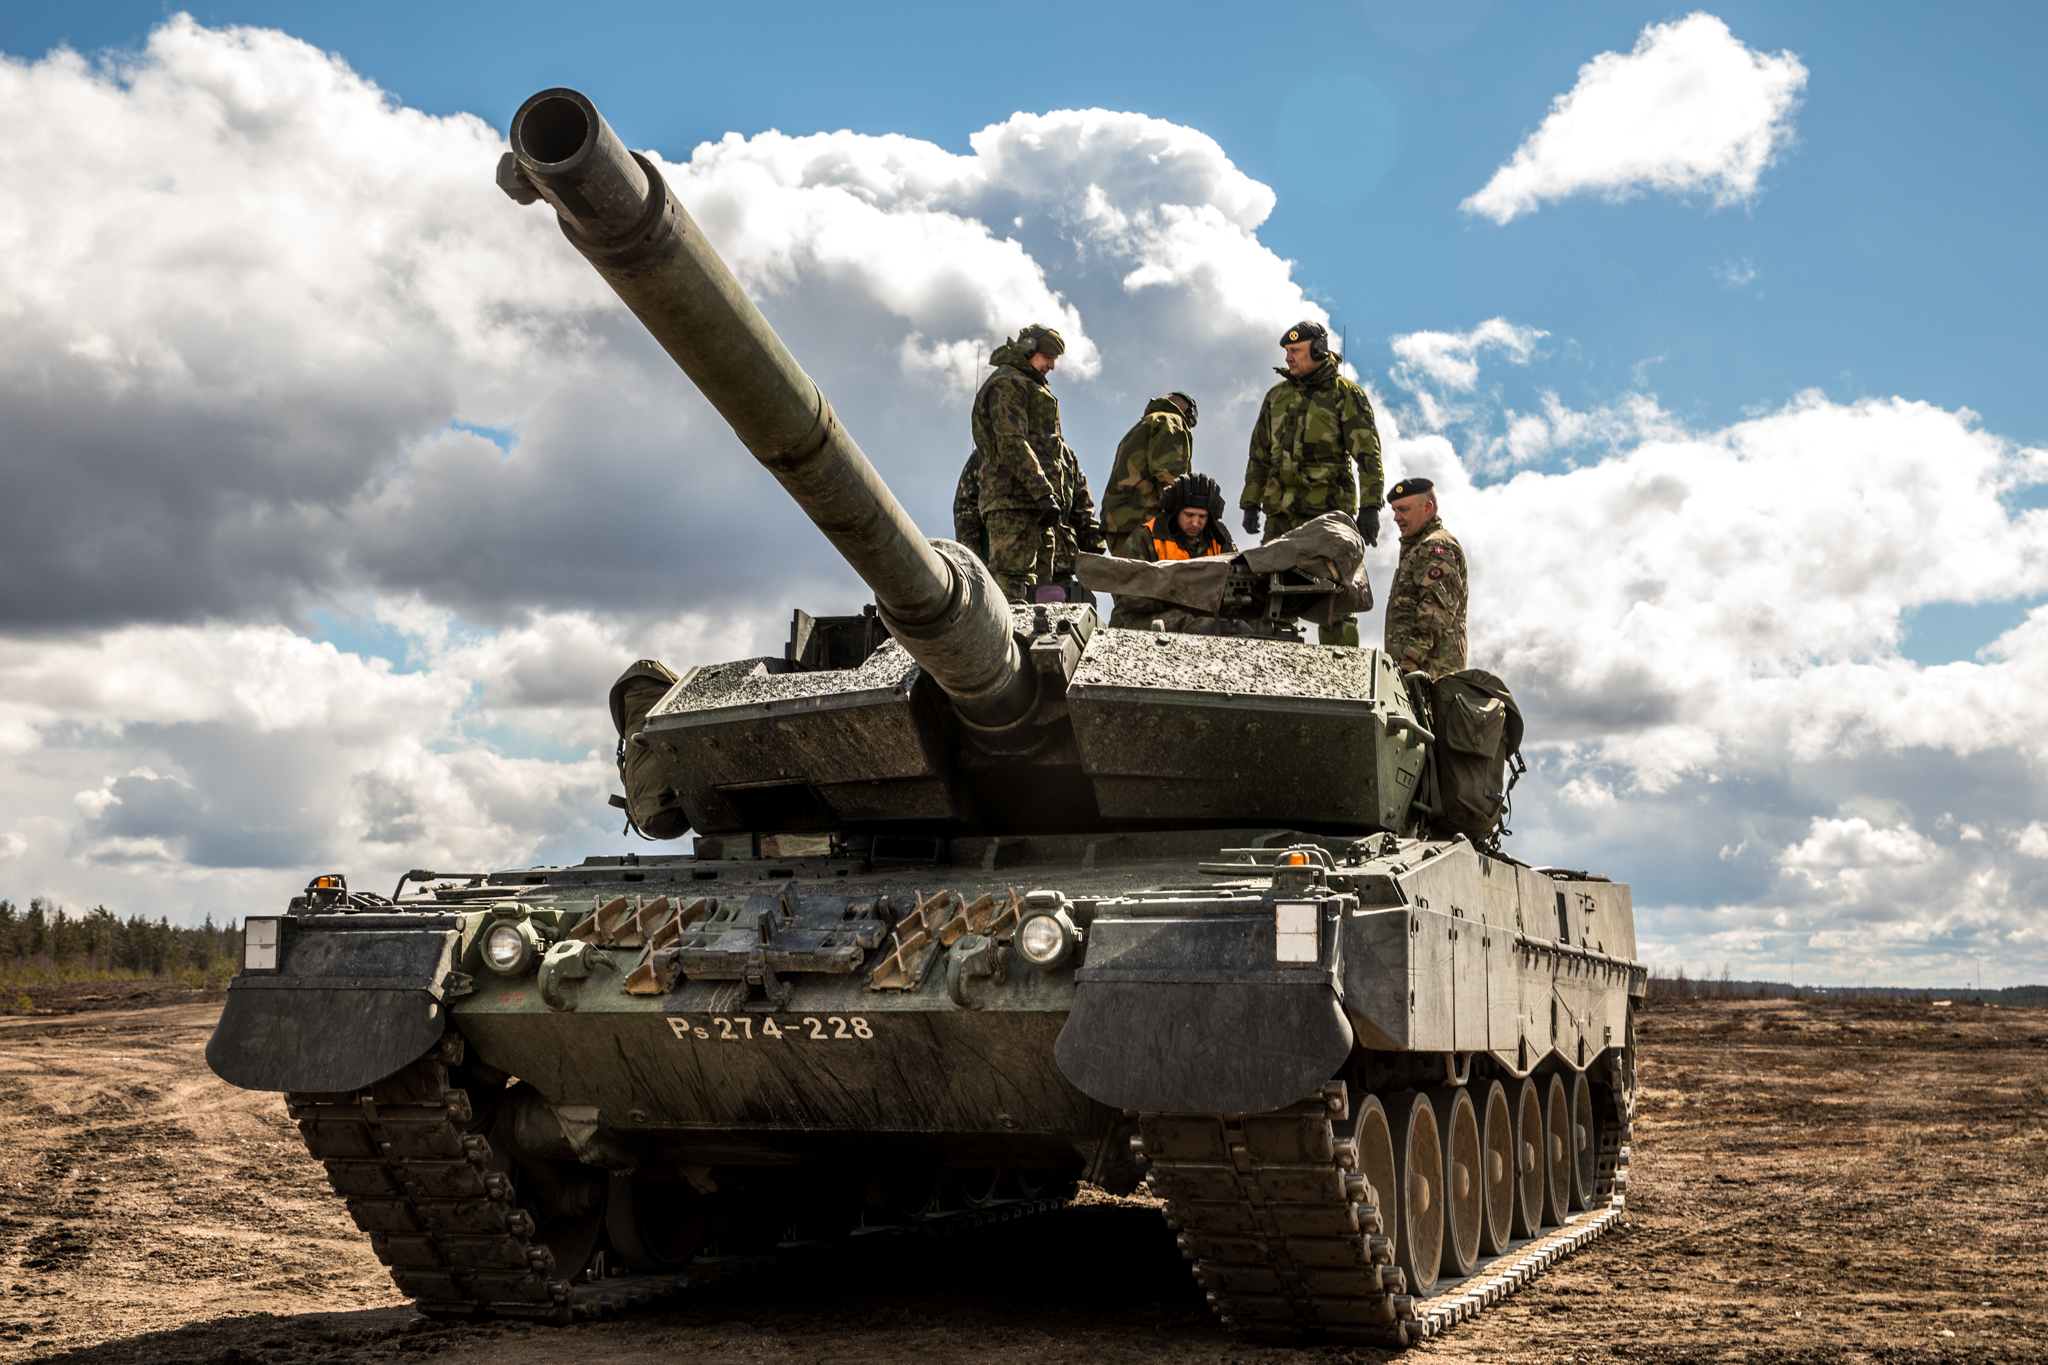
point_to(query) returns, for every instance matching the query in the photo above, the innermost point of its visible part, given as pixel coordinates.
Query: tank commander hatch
(1159, 448)
(1426, 608)
(1016, 425)
(1188, 525)
(1314, 427)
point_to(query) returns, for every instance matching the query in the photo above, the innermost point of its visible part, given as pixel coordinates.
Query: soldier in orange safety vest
(1188, 525)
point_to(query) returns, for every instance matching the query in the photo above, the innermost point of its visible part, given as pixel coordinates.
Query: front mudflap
(348, 1007)
(1195, 1015)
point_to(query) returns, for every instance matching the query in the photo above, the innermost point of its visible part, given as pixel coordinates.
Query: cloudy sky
(334, 489)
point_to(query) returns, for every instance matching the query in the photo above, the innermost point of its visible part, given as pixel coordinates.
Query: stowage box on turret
(985, 901)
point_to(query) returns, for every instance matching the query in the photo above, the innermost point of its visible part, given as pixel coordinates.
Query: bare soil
(1823, 1182)
(92, 997)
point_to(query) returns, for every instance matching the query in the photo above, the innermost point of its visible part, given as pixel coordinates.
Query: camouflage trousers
(1019, 550)
(1343, 630)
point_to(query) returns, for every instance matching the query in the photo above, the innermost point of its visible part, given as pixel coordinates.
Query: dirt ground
(1820, 1182)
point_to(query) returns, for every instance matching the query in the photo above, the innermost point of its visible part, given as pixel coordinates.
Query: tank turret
(978, 715)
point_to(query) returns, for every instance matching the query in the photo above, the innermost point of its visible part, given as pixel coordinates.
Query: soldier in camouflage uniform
(1315, 426)
(1016, 422)
(1188, 525)
(1076, 529)
(967, 524)
(1426, 609)
(1152, 454)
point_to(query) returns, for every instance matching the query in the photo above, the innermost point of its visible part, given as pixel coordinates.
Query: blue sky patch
(1953, 632)
(504, 438)
(370, 638)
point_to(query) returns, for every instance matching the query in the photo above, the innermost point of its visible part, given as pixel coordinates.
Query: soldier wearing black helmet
(1315, 428)
(1016, 424)
(1188, 525)
(1153, 453)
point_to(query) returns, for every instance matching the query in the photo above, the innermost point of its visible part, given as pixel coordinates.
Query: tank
(984, 901)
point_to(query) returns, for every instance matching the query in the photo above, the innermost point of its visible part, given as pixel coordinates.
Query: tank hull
(1433, 965)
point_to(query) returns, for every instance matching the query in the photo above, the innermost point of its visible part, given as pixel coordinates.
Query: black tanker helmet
(1190, 490)
(1189, 400)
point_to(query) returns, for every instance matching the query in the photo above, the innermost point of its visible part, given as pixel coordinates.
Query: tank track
(448, 1227)
(1285, 1233)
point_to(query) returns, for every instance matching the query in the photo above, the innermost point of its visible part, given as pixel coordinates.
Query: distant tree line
(1674, 984)
(46, 943)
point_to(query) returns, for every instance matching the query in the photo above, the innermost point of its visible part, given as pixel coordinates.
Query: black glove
(1048, 512)
(1369, 523)
(1251, 521)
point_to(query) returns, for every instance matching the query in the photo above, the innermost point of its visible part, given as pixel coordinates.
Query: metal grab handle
(1399, 722)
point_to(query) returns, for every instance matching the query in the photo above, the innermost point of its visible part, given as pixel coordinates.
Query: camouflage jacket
(1152, 454)
(1077, 528)
(1310, 433)
(1016, 424)
(1426, 609)
(967, 524)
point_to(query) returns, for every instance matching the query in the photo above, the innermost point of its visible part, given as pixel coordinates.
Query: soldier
(967, 524)
(1314, 427)
(1076, 530)
(1426, 609)
(1016, 422)
(1152, 454)
(1188, 525)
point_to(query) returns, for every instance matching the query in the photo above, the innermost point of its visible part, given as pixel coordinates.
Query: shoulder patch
(1437, 572)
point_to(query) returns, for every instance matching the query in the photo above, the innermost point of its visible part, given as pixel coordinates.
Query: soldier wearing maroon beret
(1426, 609)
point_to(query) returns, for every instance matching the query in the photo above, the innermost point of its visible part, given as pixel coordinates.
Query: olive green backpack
(1478, 754)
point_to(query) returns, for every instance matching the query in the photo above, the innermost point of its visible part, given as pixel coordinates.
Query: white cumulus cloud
(278, 350)
(1691, 110)
(1695, 661)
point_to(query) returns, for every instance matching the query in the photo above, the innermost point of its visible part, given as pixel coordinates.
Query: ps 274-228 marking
(743, 1028)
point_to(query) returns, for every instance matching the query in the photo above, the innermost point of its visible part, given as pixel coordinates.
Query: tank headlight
(1047, 938)
(509, 949)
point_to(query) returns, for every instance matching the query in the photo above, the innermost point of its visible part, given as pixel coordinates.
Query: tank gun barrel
(939, 601)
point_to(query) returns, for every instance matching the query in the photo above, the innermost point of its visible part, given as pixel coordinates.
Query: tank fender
(1197, 1014)
(346, 1009)
(1201, 1046)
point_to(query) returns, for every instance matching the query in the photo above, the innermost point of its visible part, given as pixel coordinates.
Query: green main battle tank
(985, 901)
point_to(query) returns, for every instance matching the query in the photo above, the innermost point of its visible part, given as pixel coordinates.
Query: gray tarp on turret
(1329, 547)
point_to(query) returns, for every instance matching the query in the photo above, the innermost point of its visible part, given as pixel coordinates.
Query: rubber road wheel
(1557, 1149)
(1497, 1162)
(973, 1189)
(1418, 1190)
(1457, 1124)
(655, 1225)
(1585, 1144)
(1527, 1103)
(1375, 1139)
